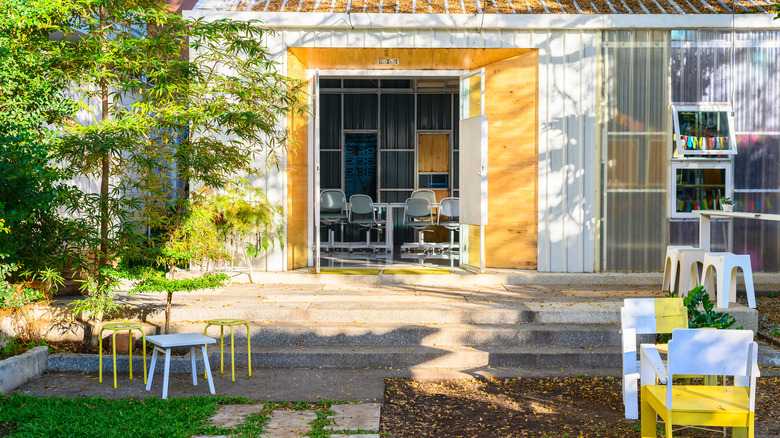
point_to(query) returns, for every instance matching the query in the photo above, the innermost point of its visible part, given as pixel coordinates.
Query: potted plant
(726, 204)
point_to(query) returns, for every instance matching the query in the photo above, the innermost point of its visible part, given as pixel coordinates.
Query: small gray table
(164, 343)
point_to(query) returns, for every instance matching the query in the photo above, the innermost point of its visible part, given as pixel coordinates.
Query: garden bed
(551, 407)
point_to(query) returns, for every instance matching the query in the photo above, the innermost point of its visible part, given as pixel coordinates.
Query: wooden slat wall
(511, 90)
(297, 178)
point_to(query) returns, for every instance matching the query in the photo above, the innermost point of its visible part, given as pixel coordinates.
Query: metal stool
(120, 327)
(230, 323)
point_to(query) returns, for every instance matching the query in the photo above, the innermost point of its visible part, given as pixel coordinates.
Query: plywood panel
(433, 153)
(511, 90)
(297, 177)
(344, 58)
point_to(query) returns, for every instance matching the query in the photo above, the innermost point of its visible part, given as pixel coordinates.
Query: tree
(31, 103)
(160, 123)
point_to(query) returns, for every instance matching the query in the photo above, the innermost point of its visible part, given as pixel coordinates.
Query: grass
(27, 416)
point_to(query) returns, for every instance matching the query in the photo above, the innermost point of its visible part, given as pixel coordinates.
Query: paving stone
(364, 416)
(289, 424)
(229, 416)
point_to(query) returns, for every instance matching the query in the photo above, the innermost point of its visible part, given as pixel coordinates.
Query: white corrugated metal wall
(567, 125)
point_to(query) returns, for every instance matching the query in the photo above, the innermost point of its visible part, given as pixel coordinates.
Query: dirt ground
(552, 407)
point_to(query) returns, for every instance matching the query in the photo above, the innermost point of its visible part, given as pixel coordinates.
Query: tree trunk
(168, 311)
(102, 256)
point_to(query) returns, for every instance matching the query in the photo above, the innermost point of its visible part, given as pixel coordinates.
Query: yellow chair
(120, 327)
(230, 323)
(709, 353)
(645, 316)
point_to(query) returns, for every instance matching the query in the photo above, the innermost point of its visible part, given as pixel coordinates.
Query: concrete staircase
(417, 327)
(399, 328)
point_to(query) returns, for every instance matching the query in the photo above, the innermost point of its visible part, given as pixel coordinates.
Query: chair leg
(630, 397)
(648, 417)
(668, 425)
(747, 272)
(667, 283)
(130, 351)
(721, 290)
(232, 356)
(248, 349)
(113, 344)
(706, 279)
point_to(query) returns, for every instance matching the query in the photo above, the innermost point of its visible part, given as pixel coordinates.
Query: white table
(705, 217)
(164, 343)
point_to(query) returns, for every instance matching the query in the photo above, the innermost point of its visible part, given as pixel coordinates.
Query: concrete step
(386, 334)
(464, 357)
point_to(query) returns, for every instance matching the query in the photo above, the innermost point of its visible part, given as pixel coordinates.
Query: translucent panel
(434, 111)
(397, 170)
(756, 166)
(699, 189)
(704, 64)
(360, 111)
(330, 169)
(635, 150)
(397, 121)
(471, 96)
(636, 239)
(330, 121)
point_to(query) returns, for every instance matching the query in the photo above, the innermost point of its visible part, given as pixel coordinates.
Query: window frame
(679, 150)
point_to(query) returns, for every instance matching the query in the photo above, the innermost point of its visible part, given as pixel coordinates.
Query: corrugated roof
(492, 6)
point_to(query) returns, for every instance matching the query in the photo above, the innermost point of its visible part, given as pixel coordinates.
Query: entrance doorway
(508, 107)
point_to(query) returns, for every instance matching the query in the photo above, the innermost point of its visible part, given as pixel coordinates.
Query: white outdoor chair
(708, 353)
(363, 214)
(641, 316)
(418, 215)
(450, 209)
(682, 262)
(333, 204)
(725, 265)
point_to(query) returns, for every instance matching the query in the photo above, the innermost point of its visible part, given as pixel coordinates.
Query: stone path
(360, 419)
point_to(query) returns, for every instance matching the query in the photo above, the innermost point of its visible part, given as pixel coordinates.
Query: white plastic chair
(418, 215)
(640, 316)
(363, 214)
(708, 353)
(682, 261)
(333, 204)
(725, 265)
(449, 208)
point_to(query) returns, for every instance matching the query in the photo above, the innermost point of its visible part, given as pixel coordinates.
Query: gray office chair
(333, 205)
(449, 208)
(425, 193)
(418, 215)
(363, 214)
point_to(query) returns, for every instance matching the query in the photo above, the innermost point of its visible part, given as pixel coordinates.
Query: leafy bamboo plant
(161, 121)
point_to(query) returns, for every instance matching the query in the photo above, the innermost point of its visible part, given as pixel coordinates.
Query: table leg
(100, 356)
(249, 349)
(113, 345)
(167, 370)
(232, 356)
(130, 351)
(390, 221)
(194, 367)
(704, 232)
(208, 368)
(151, 369)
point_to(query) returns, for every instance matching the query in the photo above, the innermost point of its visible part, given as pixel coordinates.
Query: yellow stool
(230, 323)
(120, 327)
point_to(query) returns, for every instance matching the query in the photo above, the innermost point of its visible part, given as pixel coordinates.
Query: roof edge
(494, 21)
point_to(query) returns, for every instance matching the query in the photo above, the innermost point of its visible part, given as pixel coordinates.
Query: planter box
(17, 370)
